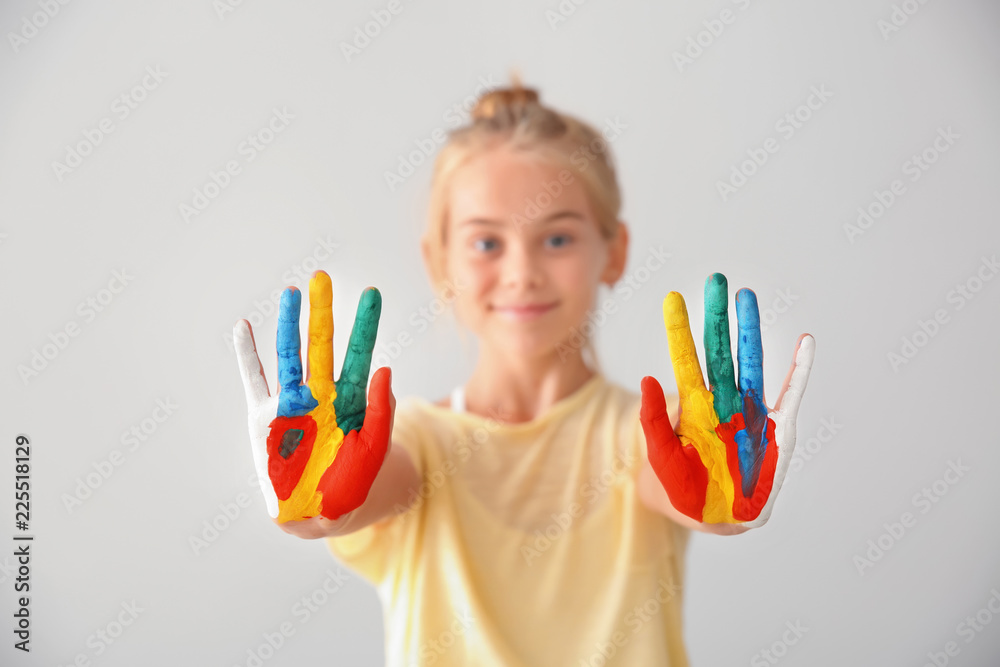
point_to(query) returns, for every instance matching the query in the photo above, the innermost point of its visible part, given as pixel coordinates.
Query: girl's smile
(525, 312)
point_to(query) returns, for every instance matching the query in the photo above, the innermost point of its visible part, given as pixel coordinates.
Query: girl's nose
(521, 268)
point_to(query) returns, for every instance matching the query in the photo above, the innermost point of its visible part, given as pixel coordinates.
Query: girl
(524, 520)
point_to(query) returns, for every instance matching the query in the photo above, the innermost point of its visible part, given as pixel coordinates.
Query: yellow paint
(697, 423)
(320, 355)
(305, 500)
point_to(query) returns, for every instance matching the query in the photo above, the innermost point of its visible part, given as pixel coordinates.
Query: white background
(164, 335)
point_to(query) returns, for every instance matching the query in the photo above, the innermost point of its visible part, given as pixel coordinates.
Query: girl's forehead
(494, 185)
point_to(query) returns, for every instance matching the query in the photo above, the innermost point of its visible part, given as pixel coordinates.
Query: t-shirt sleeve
(372, 550)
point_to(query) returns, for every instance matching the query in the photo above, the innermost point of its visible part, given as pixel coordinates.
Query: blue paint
(294, 398)
(752, 441)
(749, 352)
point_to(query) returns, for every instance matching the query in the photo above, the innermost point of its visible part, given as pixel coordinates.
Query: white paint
(261, 409)
(784, 423)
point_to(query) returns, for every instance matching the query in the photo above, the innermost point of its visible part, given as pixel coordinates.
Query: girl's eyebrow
(568, 213)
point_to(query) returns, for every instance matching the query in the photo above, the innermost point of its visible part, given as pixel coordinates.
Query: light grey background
(164, 335)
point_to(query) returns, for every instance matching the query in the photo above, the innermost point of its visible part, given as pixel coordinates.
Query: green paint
(353, 381)
(290, 441)
(718, 350)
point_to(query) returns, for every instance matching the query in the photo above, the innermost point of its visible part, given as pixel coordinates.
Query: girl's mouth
(525, 312)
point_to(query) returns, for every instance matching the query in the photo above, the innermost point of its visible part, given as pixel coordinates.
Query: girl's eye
(484, 245)
(560, 240)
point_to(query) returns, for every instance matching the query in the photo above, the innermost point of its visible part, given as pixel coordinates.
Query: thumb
(381, 410)
(661, 441)
(678, 468)
(346, 483)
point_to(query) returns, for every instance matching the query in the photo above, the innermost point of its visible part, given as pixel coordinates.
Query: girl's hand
(729, 455)
(312, 460)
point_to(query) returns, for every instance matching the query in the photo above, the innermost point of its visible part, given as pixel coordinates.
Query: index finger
(294, 398)
(683, 353)
(288, 342)
(749, 351)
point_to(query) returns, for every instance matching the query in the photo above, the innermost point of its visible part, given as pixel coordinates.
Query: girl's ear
(617, 256)
(425, 250)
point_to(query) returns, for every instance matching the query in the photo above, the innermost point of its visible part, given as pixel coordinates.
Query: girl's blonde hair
(515, 118)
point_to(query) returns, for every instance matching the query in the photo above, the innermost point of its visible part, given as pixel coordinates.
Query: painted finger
(350, 402)
(260, 407)
(785, 415)
(683, 353)
(346, 483)
(679, 468)
(251, 370)
(798, 377)
(718, 348)
(749, 351)
(320, 356)
(294, 398)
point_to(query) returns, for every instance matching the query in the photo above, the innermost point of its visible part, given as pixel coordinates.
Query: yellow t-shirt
(528, 544)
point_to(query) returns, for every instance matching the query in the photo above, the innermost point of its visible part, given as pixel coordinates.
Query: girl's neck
(521, 391)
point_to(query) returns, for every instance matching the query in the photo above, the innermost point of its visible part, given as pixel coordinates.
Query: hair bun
(501, 101)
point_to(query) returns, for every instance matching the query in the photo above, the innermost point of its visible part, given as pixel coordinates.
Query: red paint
(286, 473)
(748, 508)
(677, 466)
(346, 483)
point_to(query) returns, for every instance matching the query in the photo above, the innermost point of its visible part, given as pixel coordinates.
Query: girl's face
(524, 253)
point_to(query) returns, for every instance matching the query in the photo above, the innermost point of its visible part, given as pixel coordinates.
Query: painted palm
(316, 447)
(728, 456)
